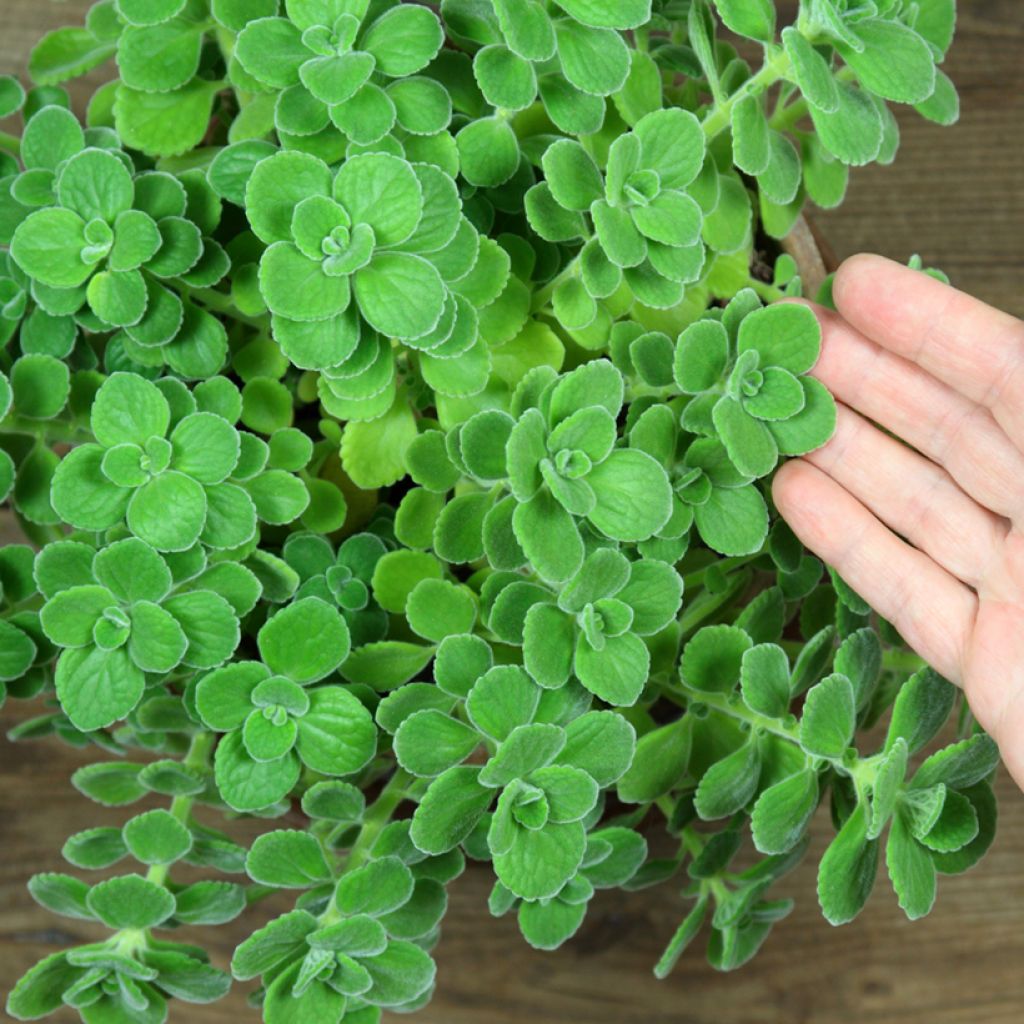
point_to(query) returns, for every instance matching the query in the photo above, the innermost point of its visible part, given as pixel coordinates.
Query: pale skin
(930, 532)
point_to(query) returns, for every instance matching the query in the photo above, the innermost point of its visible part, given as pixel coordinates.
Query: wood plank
(957, 197)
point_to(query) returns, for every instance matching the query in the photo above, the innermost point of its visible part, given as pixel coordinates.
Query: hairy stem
(777, 66)
(198, 757)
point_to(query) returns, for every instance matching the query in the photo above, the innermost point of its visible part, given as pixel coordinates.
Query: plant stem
(377, 817)
(706, 604)
(198, 757)
(221, 303)
(776, 66)
(766, 291)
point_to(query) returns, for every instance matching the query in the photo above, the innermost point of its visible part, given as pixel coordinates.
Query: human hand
(945, 373)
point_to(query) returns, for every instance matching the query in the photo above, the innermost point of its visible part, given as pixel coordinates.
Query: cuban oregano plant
(390, 395)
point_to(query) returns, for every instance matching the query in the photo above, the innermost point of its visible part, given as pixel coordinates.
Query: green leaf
(129, 409)
(729, 784)
(210, 626)
(399, 294)
(130, 901)
(147, 512)
(296, 287)
(40, 990)
(601, 743)
(305, 641)
(594, 60)
(810, 428)
(505, 78)
(526, 748)
(661, 760)
(846, 874)
(397, 574)
(956, 826)
(488, 152)
(337, 735)
(157, 837)
(672, 143)
(288, 1002)
(853, 132)
(829, 717)
(209, 903)
(287, 859)
(540, 862)
(436, 609)
(387, 664)
(754, 19)
(684, 935)
(95, 184)
(782, 812)
(48, 246)
(750, 136)
(548, 536)
(888, 785)
(361, 186)
(785, 335)
(275, 188)
(701, 356)
(733, 521)
(911, 870)
(403, 40)
(634, 499)
(248, 785)
(960, 765)
(894, 63)
(572, 175)
(450, 810)
(430, 742)
(812, 71)
(713, 658)
(280, 941)
(118, 297)
(626, 14)
(549, 925)
(166, 123)
(764, 680)
(148, 12)
(376, 888)
(112, 785)
(159, 58)
(749, 442)
(403, 972)
(67, 53)
(922, 707)
(96, 687)
(618, 672)
(52, 135)
(61, 894)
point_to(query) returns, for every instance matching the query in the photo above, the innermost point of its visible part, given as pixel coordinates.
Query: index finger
(975, 349)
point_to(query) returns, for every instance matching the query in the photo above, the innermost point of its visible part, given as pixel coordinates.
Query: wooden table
(957, 197)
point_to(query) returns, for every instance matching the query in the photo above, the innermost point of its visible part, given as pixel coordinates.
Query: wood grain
(957, 197)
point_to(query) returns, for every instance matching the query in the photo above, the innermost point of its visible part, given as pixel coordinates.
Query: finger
(932, 611)
(995, 669)
(913, 496)
(975, 349)
(938, 421)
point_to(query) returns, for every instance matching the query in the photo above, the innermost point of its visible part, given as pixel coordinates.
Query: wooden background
(956, 196)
